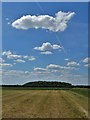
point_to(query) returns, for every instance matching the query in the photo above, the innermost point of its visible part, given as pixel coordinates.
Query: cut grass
(44, 104)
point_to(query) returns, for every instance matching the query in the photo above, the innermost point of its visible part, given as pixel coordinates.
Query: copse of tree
(47, 84)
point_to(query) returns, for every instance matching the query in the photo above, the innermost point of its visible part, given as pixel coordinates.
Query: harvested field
(44, 104)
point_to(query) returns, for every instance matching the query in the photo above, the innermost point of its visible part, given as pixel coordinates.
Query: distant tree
(47, 84)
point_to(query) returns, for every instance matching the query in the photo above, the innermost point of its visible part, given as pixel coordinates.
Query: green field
(45, 103)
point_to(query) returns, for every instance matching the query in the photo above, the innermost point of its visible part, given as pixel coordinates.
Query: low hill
(47, 84)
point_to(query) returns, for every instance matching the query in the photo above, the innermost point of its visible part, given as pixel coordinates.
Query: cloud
(7, 19)
(32, 58)
(1, 60)
(16, 73)
(73, 63)
(53, 69)
(14, 63)
(20, 61)
(86, 60)
(22, 77)
(37, 69)
(46, 53)
(51, 72)
(87, 65)
(66, 59)
(19, 72)
(48, 46)
(26, 57)
(11, 55)
(55, 24)
(58, 67)
(8, 23)
(5, 65)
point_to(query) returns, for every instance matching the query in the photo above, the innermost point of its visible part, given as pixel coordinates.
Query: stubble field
(45, 103)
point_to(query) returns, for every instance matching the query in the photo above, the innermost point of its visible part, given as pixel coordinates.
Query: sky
(44, 41)
(45, 1)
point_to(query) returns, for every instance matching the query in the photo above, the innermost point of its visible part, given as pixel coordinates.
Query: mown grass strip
(82, 91)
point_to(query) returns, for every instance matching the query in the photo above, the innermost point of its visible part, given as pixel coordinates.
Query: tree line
(48, 84)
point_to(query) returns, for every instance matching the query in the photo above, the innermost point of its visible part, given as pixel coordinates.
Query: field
(0, 103)
(45, 103)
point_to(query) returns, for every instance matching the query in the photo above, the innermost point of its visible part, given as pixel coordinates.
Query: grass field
(0, 103)
(45, 103)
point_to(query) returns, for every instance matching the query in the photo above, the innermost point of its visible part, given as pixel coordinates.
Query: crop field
(45, 103)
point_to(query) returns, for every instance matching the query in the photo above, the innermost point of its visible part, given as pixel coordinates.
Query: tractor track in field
(73, 101)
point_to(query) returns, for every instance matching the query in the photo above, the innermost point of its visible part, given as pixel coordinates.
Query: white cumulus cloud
(86, 60)
(55, 24)
(73, 63)
(37, 69)
(11, 55)
(31, 58)
(20, 61)
(5, 65)
(59, 67)
(48, 46)
(54, 67)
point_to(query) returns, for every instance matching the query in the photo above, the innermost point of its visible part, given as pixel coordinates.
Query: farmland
(45, 103)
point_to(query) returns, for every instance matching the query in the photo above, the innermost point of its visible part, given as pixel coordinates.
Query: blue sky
(66, 62)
